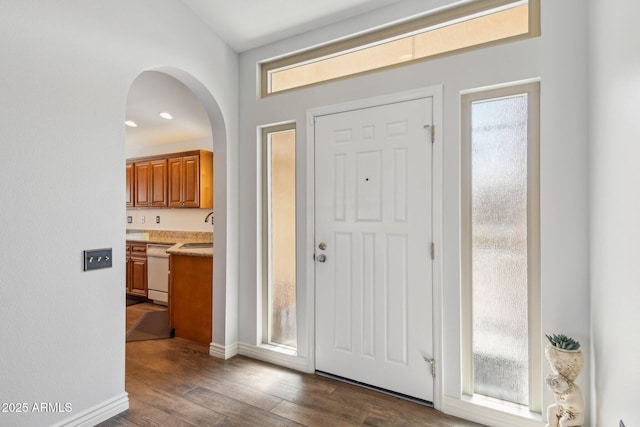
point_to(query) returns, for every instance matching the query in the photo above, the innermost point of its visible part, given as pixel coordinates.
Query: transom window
(469, 26)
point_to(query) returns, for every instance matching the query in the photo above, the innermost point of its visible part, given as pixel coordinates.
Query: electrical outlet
(142, 219)
(158, 219)
(129, 219)
(97, 258)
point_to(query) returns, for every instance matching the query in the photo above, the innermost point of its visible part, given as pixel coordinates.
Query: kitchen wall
(558, 58)
(170, 219)
(67, 70)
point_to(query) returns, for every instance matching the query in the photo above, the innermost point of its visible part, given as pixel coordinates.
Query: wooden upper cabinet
(175, 182)
(141, 174)
(179, 180)
(130, 188)
(191, 181)
(151, 183)
(158, 187)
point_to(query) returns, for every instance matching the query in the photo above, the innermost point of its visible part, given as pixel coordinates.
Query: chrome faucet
(207, 218)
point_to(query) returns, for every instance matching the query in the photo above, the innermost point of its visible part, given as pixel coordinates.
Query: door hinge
(433, 250)
(432, 129)
(432, 362)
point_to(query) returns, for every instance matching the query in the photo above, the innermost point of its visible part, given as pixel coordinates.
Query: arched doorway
(216, 141)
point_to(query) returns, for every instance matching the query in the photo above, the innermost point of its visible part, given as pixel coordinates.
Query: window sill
(490, 411)
(286, 357)
(280, 349)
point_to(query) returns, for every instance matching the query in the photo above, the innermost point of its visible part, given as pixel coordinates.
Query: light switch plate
(97, 258)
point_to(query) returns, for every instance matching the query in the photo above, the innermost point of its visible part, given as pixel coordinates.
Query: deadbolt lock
(322, 246)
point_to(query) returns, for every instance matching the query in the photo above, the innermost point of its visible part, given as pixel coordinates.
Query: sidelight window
(279, 235)
(500, 245)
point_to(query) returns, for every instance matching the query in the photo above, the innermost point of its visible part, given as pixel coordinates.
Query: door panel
(373, 212)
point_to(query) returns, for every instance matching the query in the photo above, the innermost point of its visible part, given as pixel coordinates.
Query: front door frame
(434, 92)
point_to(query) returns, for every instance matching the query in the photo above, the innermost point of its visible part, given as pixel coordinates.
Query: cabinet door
(184, 182)
(175, 182)
(191, 181)
(130, 186)
(138, 276)
(158, 183)
(142, 181)
(128, 264)
(138, 266)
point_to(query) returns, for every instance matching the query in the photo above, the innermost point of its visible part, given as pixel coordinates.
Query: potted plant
(564, 356)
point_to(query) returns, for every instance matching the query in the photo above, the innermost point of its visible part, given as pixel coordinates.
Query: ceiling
(152, 93)
(243, 24)
(246, 24)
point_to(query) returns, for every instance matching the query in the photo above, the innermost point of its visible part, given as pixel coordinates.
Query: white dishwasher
(158, 273)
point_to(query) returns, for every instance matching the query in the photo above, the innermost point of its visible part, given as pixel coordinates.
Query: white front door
(373, 218)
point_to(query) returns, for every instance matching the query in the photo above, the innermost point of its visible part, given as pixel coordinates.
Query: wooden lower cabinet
(191, 297)
(137, 269)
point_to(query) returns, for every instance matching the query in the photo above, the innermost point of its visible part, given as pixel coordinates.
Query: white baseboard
(485, 415)
(98, 413)
(275, 357)
(223, 352)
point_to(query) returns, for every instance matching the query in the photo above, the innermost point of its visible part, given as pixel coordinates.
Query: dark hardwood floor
(174, 382)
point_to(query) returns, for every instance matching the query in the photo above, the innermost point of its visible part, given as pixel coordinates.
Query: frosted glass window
(281, 237)
(499, 248)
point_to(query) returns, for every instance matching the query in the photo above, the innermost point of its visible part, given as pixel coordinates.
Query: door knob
(322, 246)
(321, 258)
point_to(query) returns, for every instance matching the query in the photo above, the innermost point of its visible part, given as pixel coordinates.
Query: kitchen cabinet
(191, 180)
(136, 269)
(177, 180)
(191, 297)
(130, 185)
(150, 178)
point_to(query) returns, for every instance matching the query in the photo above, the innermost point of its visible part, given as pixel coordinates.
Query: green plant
(563, 342)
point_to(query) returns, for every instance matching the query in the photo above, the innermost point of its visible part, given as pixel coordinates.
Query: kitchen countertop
(174, 238)
(177, 249)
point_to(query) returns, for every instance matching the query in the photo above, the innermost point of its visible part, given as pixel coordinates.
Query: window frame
(532, 89)
(396, 31)
(264, 133)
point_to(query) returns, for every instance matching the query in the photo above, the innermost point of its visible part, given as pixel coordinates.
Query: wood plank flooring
(174, 382)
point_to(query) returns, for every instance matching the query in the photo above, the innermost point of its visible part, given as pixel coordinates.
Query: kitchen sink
(196, 245)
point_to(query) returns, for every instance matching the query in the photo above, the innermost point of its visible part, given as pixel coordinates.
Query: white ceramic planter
(567, 363)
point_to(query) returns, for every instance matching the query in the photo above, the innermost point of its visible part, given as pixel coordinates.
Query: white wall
(172, 147)
(66, 71)
(558, 58)
(615, 229)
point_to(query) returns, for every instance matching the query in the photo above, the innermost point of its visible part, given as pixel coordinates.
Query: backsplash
(170, 219)
(166, 236)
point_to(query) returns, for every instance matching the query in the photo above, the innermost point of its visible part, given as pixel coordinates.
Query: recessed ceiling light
(166, 115)
(131, 123)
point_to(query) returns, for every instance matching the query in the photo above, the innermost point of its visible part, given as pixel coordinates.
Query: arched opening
(204, 130)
